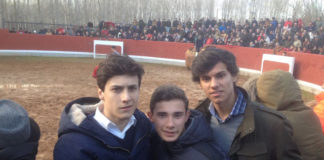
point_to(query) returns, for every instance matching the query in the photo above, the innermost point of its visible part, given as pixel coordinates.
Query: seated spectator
(288, 24)
(180, 133)
(104, 32)
(297, 44)
(280, 91)
(287, 43)
(19, 134)
(60, 31)
(315, 45)
(306, 45)
(210, 40)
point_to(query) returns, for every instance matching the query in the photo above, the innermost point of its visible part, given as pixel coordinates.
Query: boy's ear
(150, 115)
(187, 114)
(101, 94)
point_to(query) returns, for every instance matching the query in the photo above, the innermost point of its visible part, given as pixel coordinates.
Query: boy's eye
(178, 114)
(161, 115)
(205, 78)
(117, 89)
(133, 88)
(221, 75)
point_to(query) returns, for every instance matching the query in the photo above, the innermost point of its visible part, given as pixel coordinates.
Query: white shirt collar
(111, 126)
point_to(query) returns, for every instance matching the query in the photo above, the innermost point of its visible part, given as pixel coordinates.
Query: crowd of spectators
(283, 35)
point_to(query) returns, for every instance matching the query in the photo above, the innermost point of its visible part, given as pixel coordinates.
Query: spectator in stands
(280, 91)
(189, 23)
(300, 23)
(60, 30)
(306, 45)
(287, 43)
(241, 128)
(315, 45)
(179, 133)
(19, 134)
(245, 39)
(199, 43)
(209, 40)
(104, 32)
(108, 127)
(274, 24)
(294, 29)
(297, 44)
(288, 24)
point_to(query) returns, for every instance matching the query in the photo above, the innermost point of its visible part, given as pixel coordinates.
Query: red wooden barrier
(308, 67)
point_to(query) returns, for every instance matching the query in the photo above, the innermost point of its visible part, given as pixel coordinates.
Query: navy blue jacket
(81, 137)
(195, 143)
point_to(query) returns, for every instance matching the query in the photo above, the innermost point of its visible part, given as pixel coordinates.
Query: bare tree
(313, 9)
(80, 12)
(297, 9)
(2, 9)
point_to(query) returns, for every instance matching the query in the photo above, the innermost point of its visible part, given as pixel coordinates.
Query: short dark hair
(168, 92)
(208, 58)
(118, 65)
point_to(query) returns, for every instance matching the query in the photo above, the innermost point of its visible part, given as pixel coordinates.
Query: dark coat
(193, 144)
(81, 137)
(264, 134)
(26, 150)
(280, 91)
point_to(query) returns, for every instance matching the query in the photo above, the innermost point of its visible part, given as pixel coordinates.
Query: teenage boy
(109, 127)
(181, 134)
(244, 130)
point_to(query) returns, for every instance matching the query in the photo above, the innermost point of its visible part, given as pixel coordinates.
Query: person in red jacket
(210, 40)
(319, 108)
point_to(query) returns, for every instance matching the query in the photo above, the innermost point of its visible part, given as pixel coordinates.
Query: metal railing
(30, 26)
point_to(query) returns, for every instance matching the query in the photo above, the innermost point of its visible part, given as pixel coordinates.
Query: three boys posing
(114, 129)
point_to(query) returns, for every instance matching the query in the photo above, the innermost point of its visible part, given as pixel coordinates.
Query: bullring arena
(44, 85)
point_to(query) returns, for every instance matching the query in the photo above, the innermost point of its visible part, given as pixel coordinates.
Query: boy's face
(120, 98)
(169, 118)
(218, 85)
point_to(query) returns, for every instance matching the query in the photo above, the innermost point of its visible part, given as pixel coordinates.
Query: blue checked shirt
(239, 108)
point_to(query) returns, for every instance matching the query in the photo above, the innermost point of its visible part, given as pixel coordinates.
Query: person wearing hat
(280, 91)
(19, 134)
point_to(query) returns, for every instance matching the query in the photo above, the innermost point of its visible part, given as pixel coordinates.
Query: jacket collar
(91, 128)
(247, 126)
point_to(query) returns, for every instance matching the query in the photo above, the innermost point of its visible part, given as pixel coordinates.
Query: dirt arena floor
(44, 85)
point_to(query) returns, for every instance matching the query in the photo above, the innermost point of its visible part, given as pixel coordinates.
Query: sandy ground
(45, 85)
